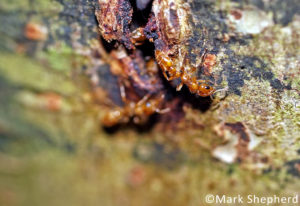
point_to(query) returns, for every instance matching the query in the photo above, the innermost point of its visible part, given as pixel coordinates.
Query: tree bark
(58, 77)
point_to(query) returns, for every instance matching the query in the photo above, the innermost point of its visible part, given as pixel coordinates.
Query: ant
(138, 37)
(138, 111)
(199, 87)
(170, 72)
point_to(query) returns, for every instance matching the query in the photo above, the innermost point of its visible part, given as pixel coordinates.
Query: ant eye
(207, 87)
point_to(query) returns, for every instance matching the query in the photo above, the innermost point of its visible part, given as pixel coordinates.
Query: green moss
(43, 6)
(28, 73)
(59, 57)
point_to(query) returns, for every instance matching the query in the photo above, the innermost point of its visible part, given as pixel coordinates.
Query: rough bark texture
(56, 83)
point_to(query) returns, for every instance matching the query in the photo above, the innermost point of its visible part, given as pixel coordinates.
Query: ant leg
(178, 88)
(217, 100)
(123, 93)
(143, 100)
(162, 111)
(203, 56)
(165, 73)
(223, 92)
(166, 76)
(169, 78)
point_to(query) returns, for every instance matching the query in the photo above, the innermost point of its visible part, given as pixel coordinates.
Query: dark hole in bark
(140, 14)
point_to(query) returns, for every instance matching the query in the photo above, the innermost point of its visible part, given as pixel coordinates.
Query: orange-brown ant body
(199, 87)
(138, 37)
(138, 111)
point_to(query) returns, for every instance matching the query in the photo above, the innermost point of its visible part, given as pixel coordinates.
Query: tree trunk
(63, 65)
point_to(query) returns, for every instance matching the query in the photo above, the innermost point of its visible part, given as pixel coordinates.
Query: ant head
(205, 90)
(112, 118)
